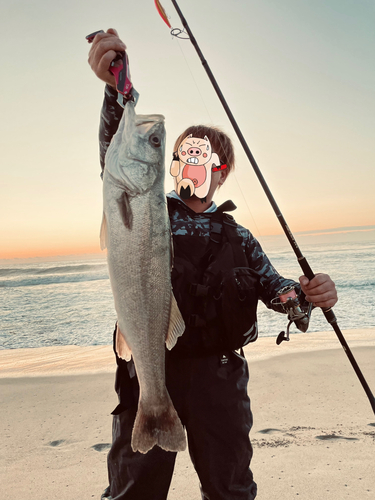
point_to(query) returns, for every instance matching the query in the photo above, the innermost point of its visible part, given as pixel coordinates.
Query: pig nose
(194, 151)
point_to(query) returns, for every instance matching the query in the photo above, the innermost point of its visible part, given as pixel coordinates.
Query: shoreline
(85, 360)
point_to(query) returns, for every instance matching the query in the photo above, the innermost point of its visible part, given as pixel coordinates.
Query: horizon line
(313, 232)
(335, 230)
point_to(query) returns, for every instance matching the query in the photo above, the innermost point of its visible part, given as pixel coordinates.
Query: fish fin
(176, 325)
(103, 233)
(122, 349)
(158, 426)
(125, 210)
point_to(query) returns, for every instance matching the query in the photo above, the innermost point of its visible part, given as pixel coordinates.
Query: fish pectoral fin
(125, 210)
(176, 325)
(103, 233)
(122, 349)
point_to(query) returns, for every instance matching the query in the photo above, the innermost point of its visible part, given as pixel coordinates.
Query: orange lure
(162, 13)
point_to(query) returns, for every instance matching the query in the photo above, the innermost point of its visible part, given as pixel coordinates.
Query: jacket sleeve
(110, 117)
(270, 280)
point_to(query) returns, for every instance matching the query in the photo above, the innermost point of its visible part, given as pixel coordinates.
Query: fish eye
(155, 140)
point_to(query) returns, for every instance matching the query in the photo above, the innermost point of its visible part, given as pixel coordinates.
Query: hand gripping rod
(328, 312)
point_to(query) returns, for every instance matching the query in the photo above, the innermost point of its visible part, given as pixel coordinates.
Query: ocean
(68, 301)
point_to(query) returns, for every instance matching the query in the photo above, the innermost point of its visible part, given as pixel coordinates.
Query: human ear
(223, 176)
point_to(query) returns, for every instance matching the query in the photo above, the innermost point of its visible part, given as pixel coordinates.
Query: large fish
(136, 232)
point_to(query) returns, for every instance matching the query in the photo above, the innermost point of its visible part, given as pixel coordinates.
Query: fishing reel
(288, 299)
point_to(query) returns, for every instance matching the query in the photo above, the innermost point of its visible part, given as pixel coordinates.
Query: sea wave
(51, 270)
(51, 280)
(71, 301)
(355, 285)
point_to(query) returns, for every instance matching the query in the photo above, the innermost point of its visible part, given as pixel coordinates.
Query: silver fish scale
(139, 267)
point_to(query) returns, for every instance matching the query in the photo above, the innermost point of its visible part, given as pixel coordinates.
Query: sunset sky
(299, 77)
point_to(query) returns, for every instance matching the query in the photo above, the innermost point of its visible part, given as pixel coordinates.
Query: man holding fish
(204, 312)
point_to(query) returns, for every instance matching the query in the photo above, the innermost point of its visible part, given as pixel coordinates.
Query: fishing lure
(162, 13)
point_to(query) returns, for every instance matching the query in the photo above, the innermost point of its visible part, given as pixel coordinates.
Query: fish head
(136, 156)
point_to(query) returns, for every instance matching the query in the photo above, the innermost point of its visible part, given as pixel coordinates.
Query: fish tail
(159, 426)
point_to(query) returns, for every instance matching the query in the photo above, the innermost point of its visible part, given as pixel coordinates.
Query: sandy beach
(313, 434)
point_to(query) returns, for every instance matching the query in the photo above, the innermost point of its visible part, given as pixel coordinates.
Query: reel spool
(288, 299)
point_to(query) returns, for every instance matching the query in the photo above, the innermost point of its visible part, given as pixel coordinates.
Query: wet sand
(313, 434)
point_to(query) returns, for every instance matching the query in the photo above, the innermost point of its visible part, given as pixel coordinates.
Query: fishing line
(192, 74)
(176, 32)
(259, 235)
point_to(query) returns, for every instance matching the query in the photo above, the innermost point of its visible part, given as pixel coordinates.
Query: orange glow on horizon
(51, 252)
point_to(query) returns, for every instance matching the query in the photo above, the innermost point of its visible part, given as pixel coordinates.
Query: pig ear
(189, 136)
(206, 138)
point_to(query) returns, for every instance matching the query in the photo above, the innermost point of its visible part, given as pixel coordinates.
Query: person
(206, 372)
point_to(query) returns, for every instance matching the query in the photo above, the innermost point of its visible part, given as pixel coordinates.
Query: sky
(298, 75)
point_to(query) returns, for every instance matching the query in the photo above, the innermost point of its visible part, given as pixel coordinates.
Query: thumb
(304, 281)
(112, 31)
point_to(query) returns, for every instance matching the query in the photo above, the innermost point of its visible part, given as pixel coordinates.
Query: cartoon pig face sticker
(195, 151)
(192, 169)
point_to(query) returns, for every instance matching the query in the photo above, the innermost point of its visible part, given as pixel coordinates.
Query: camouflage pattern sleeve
(271, 281)
(109, 121)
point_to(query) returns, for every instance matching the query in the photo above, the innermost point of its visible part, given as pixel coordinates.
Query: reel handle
(281, 337)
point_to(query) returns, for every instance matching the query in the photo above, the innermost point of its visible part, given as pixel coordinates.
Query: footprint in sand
(329, 437)
(101, 446)
(56, 443)
(269, 431)
(299, 428)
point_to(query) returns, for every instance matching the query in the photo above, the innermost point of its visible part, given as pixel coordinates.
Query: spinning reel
(288, 299)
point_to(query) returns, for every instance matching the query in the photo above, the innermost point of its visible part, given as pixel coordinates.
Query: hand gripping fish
(136, 232)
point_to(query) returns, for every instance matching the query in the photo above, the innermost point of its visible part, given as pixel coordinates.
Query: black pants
(210, 396)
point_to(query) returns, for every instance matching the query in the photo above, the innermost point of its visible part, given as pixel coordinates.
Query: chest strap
(221, 224)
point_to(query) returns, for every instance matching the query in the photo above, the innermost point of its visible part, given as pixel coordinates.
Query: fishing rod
(308, 272)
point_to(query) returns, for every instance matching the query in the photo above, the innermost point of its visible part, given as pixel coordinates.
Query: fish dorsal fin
(122, 349)
(125, 210)
(103, 233)
(176, 325)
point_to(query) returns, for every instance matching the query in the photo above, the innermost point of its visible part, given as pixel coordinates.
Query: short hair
(220, 142)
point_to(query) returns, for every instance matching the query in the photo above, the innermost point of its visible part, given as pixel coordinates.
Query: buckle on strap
(198, 290)
(215, 231)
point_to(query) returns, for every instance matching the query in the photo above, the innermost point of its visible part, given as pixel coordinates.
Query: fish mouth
(144, 124)
(145, 119)
(192, 160)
